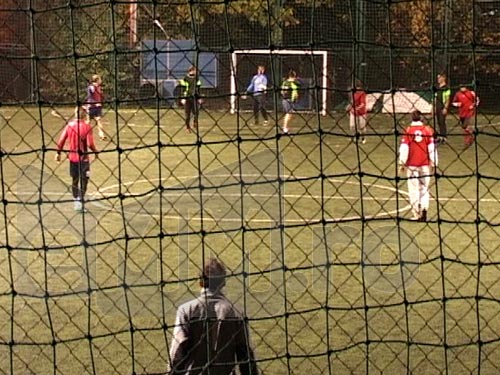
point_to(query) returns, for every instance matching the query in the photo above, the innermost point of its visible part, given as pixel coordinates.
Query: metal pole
(32, 46)
(360, 71)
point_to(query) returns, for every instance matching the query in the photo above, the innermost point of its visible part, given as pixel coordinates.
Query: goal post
(319, 79)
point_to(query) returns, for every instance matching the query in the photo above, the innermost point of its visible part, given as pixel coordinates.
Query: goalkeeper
(290, 94)
(258, 89)
(190, 99)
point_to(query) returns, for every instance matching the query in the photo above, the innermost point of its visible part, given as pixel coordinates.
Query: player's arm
(198, 92)
(91, 143)
(446, 100)
(475, 100)
(431, 148)
(295, 92)
(179, 348)
(184, 88)
(404, 150)
(60, 144)
(250, 87)
(361, 104)
(456, 101)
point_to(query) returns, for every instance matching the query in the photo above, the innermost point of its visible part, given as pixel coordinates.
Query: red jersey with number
(418, 137)
(358, 107)
(466, 102)
(81, 139)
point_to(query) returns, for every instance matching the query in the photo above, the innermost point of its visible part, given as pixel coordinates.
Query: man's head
(261, 69)
(192, 71)
(442, 79)
(416, 115)
(213, 275)
(358, 84)
(96, 79)
(292, 74)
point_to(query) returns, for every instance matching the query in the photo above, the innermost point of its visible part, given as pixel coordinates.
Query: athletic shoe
(423, 216)
(363, 140)
(188, 129)
(77, 205)
(102, 136)
(266, 123)
(285, 130)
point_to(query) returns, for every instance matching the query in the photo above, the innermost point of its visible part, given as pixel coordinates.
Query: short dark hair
(416, 115)
(213, 275)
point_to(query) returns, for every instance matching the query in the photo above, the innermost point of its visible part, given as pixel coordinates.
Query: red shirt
(80, 138)
(466, 102)
(418, 137)
(358, 107)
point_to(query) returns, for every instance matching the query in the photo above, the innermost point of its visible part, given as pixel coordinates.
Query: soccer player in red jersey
(418, 155)
(79, 133)
(95, 98)
(466, 101)
(357, 111)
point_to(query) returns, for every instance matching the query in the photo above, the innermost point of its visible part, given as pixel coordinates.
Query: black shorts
(78, 169)
(95, 112)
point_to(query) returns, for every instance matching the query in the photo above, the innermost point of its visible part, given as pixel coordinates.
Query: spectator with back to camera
(211, 335)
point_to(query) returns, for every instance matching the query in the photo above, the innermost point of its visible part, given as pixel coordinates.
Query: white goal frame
(234, 67)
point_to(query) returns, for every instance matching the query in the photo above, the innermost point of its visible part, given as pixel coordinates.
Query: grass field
(314, 228)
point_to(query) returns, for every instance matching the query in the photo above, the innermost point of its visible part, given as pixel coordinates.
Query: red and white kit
(418, 154)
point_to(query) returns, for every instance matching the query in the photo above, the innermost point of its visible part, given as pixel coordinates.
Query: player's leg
(468, 133)
(352, 123)
(187, 114)
(287, 109)
(256, 109)
(196, 112)
(74, 171)
(441, 120)
(98, 121)
(362, 127)
(84, 181)
(414, 191)
(95, 113)
(424, 182)
(263, 111)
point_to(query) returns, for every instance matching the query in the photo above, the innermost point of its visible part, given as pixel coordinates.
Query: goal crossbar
(324, 64)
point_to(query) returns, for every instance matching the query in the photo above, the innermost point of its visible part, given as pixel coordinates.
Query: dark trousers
(259, 106)
(441, 121)
(79, 172)
(191, 107)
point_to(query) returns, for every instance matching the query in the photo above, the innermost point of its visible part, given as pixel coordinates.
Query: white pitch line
(233, 195)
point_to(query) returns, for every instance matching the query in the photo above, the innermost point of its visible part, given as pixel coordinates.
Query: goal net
(328, 253)
(311, 67)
